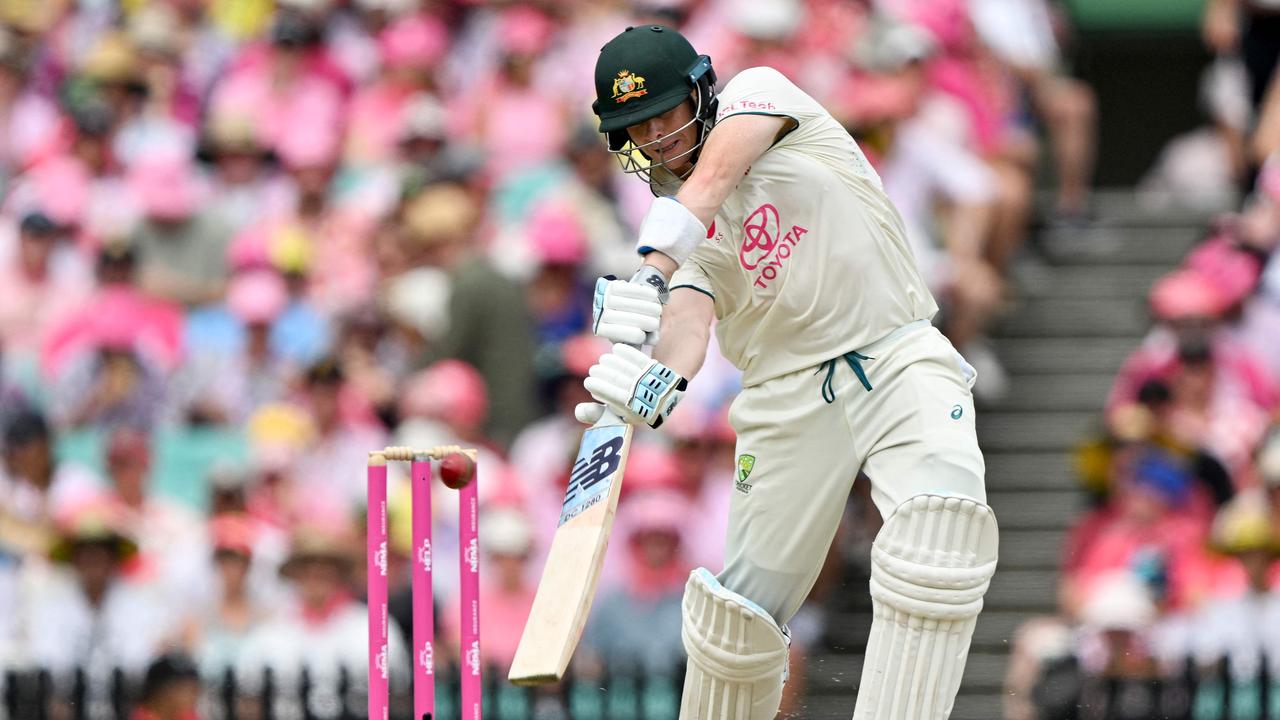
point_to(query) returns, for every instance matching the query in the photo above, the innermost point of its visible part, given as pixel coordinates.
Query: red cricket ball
(456, 470)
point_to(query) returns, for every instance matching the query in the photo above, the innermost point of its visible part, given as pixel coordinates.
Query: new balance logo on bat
(595, 464)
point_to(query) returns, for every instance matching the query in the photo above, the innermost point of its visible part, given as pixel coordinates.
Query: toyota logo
(760, 232)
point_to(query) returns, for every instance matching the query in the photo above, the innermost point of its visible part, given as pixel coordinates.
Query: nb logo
(956, 412)
(588, 472)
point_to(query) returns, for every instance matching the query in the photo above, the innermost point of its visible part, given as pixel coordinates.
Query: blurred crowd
(244, 242)
(1170, 576)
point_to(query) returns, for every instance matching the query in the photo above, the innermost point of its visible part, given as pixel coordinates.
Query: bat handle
(653, 277)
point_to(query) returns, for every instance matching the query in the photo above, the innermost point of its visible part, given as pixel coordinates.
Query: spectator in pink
(410, 48)
(452, 394)
(946, 193)
(44, 280)
(29, 121)
(517, 89)
(327, 471)
(1145, 529)
(1221, 392)
(182, 248)
(544, 450)
(116, 311)
(284, 83)
(342, 273)
(507, 587)
(225, 385)
(110, 384)
(635, 627)
(558, 290)
(966, 71)
(169, 535)
(58, 187)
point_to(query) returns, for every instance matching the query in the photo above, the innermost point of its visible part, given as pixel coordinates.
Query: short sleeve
(693, 275)
(765, 91)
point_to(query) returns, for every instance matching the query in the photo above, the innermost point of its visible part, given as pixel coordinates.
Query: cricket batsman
(782, 234)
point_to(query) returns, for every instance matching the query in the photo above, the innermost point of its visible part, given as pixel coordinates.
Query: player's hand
(636, 387)
(626, 312)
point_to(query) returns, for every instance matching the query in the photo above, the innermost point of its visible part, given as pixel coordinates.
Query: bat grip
(653, 277)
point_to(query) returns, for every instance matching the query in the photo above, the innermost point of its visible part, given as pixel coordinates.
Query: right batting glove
(634, 386)
(626, 312)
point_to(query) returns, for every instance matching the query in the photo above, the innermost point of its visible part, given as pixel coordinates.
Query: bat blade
(568, 585)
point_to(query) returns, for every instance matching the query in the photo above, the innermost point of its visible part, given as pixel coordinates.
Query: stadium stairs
(1081, 311)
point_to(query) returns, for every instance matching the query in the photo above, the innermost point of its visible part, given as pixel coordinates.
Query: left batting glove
(633, 385)
(626, 312)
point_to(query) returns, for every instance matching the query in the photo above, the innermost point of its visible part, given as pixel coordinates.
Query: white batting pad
(737, 654)
(671, 229)
(931, 564)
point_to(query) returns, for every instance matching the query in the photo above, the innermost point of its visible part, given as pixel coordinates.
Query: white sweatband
(670, 229)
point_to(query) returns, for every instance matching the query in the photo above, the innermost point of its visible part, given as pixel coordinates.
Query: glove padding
(626, 312)
(633, 385)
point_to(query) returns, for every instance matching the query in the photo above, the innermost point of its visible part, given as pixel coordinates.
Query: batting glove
(633, 385)
(626, 312)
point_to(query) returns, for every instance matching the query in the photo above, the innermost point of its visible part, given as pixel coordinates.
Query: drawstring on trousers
(854, 359)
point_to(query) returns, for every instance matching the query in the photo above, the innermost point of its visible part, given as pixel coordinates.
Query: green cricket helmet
(642, 73)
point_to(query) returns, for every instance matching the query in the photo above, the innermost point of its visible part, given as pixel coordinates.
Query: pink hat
(249, 249)
(62, 189)
(524, 30)
(114, 329)
(872, 97)
(580, 352)
(449, 390)
(166, 188)
(257, 296)
(233, 532)
(1184, 294)
(651, 467)
(946, 20)
(309, 144)
(656, 511)
(556, 236)
(1232, 271)
(416, 41)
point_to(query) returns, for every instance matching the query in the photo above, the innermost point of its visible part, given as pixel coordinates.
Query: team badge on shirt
(628, 85)
(746, 463)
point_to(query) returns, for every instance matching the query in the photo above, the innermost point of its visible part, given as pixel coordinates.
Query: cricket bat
(568, 585)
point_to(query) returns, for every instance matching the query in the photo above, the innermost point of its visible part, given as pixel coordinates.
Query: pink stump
(424, 679)
(376, 536)
(469, 581)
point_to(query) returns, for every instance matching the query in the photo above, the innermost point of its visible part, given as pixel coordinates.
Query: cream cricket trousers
(802, 441)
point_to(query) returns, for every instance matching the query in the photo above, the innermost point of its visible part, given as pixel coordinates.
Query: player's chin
(680, 168)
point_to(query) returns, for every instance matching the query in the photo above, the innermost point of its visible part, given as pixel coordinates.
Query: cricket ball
(456, 470)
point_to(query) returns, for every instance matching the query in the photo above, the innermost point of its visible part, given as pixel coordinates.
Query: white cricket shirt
(807, 258)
